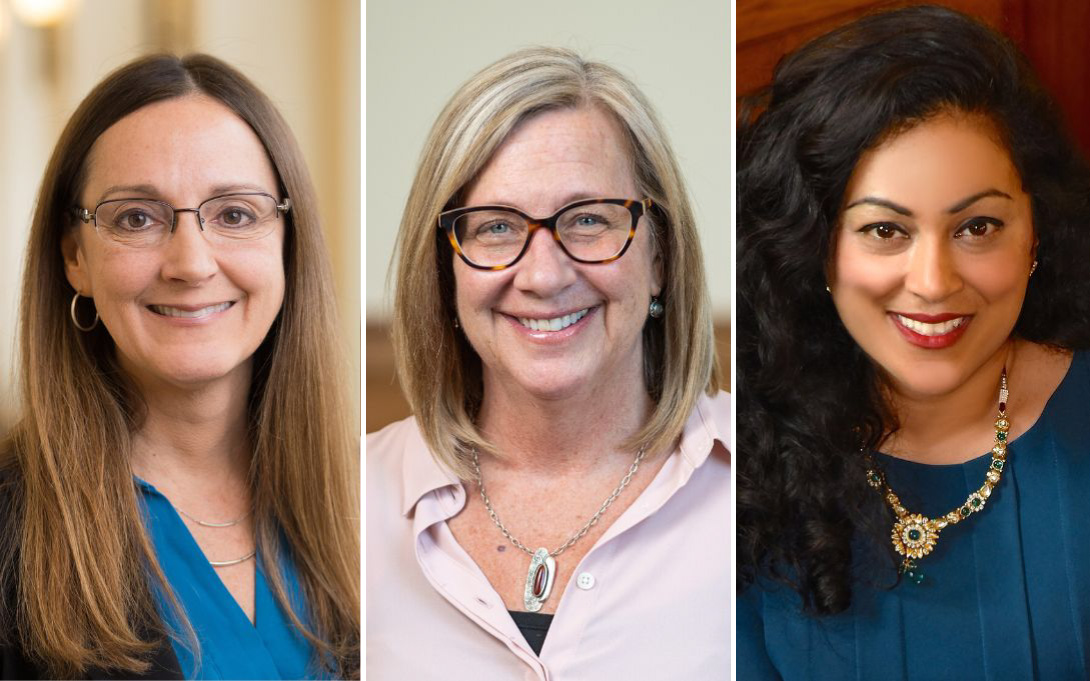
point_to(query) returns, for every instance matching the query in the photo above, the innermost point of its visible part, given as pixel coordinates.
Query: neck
(195, 432)
(946, 429)
(576, 433)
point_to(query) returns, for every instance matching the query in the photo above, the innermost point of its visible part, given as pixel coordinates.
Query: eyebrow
(153, 191)
(956, 208)
(566, 200)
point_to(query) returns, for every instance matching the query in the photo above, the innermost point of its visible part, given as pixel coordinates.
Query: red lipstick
(938, 342)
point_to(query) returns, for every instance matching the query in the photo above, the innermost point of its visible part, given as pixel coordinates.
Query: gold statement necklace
(914, 535)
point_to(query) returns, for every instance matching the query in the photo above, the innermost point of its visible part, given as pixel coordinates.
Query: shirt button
(585, 581)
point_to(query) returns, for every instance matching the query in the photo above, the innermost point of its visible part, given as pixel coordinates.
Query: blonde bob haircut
(76, 564)
(439, 371)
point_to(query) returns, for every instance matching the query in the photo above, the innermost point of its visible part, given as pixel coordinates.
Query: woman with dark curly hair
(912, 312)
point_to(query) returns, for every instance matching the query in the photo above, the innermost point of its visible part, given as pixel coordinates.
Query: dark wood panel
(1052, 33)
(386, 404)
(769, 29)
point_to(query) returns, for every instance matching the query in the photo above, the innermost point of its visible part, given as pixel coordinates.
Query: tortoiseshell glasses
(590, 231)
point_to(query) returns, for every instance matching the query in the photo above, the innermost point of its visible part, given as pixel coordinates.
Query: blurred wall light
(43, 13)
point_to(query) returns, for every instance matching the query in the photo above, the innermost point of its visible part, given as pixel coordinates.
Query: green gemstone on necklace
(965, 511)
(1001, 436)
(997, 464)
(975, 503)
(914, 534)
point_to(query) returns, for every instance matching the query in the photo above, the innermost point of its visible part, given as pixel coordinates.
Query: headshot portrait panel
(912, 335)
(549, 273)
(179, 446)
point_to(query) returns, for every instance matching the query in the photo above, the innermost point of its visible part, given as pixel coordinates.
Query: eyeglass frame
(637, 208)
(87, 216)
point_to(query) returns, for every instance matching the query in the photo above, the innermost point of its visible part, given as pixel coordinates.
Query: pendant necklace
(542, 571)
(914, 535)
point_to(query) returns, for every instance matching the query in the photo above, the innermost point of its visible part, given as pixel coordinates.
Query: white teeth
(167, 311)
(554, 324)
(925, 329)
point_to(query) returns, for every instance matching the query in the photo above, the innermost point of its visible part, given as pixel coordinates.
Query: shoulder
(710, 421)
(386, 449)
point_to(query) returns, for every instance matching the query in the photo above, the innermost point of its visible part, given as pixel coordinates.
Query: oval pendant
(539, 580)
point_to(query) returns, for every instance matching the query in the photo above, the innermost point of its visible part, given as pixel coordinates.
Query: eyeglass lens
(592, 232)
(143, 222)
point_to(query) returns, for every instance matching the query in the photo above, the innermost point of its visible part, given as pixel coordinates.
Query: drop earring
(1033, 267)
(656, 309)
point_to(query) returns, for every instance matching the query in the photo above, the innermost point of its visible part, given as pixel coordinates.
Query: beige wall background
(304, 54)
(419, 52)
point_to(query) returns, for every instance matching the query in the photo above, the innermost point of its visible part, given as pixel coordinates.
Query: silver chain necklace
(231, 523)
(539, 578)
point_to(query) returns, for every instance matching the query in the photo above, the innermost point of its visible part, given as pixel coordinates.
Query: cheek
(997, 279)
(865, 274)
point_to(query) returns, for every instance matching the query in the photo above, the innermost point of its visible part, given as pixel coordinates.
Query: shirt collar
(709, 423)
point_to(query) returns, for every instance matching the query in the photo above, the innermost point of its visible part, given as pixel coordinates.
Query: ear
(75, 263)
(657, 275)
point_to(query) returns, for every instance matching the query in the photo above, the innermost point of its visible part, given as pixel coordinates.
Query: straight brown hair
(75, 557)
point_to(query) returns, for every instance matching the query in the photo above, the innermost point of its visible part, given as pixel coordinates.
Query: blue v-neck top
(230, 646)
(1006, 594)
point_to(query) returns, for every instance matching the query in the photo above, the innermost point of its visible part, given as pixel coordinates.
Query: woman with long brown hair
(180, 492)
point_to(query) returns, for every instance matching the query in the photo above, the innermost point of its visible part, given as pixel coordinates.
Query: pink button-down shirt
(649, 601)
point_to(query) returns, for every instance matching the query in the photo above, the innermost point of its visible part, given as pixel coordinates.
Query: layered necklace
(914, 535)
(229, 523)
(542, 571)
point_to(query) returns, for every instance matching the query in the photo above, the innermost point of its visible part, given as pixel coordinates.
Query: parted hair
(439, 371)
(809, 397)
(76, 564)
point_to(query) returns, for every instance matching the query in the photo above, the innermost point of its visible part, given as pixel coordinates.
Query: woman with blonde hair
(179, 494)
(562, 490)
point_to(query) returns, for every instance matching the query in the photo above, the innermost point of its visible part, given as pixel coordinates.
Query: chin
(928, 379)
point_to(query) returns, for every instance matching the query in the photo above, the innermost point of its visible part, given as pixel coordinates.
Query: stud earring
(75, 321)
(656, 309)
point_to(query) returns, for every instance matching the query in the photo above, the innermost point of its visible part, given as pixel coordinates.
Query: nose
(932, 270)
(545, 269)
(187, 255)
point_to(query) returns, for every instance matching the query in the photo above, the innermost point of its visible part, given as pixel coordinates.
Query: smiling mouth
(168, 311)
(554, 324)
(931, 330)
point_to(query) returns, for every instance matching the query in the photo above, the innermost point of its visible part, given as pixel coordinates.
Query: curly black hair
(809, 398)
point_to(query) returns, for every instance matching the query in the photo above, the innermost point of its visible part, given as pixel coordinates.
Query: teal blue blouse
(230, 646)
(1005, 595)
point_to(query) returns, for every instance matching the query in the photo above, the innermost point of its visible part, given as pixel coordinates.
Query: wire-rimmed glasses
(590, 231)
(145, 223)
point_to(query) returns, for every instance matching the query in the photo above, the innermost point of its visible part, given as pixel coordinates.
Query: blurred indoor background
(418, 53)
(304, 54)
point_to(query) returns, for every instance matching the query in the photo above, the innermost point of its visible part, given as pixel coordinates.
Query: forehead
(183, 147)
(557, 156)
(942, 159)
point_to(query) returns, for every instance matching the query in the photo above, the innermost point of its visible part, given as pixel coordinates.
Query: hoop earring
(656, 309)
(75, 321)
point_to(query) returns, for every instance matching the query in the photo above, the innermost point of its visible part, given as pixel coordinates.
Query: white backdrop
(419, 52)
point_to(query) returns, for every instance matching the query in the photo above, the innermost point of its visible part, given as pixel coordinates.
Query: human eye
(884, 231)
(496, 229)
(979, 227)
(233, 215)
(134, 217)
